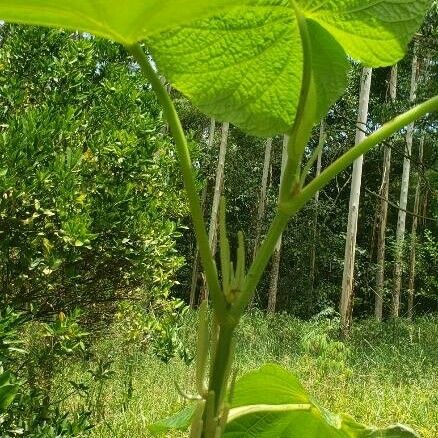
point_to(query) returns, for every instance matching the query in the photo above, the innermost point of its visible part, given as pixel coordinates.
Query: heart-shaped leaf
(127, 22)
(245, 65)
(271, 403)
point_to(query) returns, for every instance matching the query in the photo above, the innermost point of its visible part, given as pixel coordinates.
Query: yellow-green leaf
(126, 21)
(246, 65)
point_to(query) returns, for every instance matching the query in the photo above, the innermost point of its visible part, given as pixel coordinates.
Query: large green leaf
(246, 65)
(271, 403)
(328, 61)
(8, 391)
(375, 32)
(127, 22)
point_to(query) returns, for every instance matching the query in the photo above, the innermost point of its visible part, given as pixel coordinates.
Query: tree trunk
(346, 306)
(383, 211)
(262, 199)
(219, 183)
(414, 236)
(275, 269)
(322, 139)
(195, 271)
(401, 222)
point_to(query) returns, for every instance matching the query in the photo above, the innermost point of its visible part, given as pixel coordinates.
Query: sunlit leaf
(271, 403)
(127, 22)
(373, 32)
(246, 65)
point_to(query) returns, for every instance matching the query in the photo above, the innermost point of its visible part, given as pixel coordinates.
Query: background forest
(99, 267)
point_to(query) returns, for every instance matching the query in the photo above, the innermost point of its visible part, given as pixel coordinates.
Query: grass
(385, 373)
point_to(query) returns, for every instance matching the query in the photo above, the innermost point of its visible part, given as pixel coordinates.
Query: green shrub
(89, 205)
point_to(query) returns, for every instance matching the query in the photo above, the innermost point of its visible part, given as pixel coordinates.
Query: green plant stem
(303, 124)
(299, 137)
(289, 204)
(218, 299)
(288, 209)
(220, 368)
(312, 159)
(258, 266)
(352, 154)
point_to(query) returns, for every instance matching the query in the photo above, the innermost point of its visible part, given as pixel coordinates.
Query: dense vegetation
(97, 250)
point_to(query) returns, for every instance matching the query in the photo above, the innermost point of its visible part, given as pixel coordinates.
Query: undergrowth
(384, 373)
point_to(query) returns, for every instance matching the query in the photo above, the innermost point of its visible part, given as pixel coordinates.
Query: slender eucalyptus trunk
(219, 183)
(262, 200)
(276, 255)
(346, 305)
(383, 212)
(411, 280)
(322, 139)
(195, 270)
(218, 188)
(401, 222)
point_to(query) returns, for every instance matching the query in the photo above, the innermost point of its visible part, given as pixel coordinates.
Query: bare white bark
(346, 305)
(383, 211)
(401, 222)
(411, 280)
(273, 286)
(263, 190)
(218, 188)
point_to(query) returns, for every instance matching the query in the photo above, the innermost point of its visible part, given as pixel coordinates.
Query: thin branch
(388, 144)
(393, 204)
(185, 163)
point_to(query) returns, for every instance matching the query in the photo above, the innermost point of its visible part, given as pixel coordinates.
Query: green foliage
(136, 20)
(392, 365)
(180, 421)
(311, 42)
(427, 265)
(64, 335)
(248, 65)
(26, 404)
(271, 402)
(89, 204)
(329, 354)
(8, 390)
(10, 341)
(158, 326)
(10, 346)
